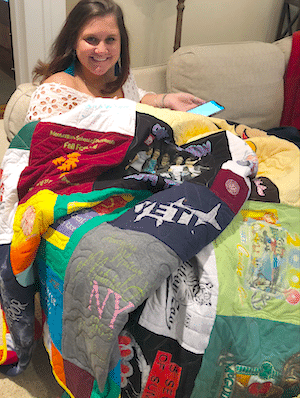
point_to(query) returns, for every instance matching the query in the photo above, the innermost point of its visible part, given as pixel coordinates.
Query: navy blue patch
(185, 217)
(18, 305)
(212, 151)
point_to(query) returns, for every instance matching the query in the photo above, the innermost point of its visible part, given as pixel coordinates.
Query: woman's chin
(102, 70)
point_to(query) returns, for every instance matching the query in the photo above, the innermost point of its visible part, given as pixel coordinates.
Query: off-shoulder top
(52, 99)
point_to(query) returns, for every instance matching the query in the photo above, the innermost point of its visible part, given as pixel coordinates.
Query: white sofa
(246, 77)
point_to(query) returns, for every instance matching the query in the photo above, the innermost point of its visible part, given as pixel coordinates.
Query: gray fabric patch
(110, 273)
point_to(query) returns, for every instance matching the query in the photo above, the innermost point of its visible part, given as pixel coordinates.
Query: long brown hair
(62, 51)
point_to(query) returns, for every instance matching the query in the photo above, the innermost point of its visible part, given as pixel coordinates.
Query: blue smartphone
(207, 109)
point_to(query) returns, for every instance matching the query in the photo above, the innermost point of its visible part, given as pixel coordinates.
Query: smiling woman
(90, 58)
(98, 50)
(91, 29)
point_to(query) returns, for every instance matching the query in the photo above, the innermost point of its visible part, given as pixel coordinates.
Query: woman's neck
(92, 84)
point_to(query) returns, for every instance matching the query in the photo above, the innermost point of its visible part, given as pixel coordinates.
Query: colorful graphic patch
(266, 279)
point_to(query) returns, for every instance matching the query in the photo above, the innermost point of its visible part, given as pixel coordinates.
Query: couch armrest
(16, 109)
(3, 141)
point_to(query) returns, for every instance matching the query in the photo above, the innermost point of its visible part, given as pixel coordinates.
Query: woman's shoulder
(51, 99)
(58, 85)
(61, 78)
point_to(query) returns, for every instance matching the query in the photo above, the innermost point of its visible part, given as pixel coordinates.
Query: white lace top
(52, 99)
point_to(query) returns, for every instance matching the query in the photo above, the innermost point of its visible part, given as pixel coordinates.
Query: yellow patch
(31, 221)
(56, 238)
(243, 379)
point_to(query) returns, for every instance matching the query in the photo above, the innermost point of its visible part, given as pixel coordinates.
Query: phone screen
(207, 109)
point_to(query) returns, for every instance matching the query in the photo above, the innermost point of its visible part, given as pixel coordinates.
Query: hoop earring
(71, 68)
(74, 56)
(117, 69)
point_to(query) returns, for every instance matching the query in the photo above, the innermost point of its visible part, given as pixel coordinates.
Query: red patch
(110, 204)
(257, 389)
(125, 369)
(125, 353)
(124, 340)
(148, 141)
(244, 136)
(164, 377)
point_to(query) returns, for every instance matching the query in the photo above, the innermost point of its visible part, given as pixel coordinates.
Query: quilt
(116, 221)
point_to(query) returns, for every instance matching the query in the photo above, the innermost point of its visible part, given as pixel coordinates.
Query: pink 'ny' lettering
(95, 292)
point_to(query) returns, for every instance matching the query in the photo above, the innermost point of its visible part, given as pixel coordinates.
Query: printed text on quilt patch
(169, 213)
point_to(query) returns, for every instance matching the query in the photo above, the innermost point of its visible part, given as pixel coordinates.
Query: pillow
(245, 77)
(285, 46)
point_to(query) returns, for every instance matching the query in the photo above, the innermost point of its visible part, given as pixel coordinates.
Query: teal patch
(112, 387)
(51, 291)
(23, 139)
(26, 277)
(247, 354)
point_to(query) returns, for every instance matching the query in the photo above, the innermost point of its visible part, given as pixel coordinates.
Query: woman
(90, 58)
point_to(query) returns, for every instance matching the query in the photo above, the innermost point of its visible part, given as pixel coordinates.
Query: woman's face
(99, 45)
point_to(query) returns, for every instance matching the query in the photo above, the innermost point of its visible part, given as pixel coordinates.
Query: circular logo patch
(27, 221)
(232, 187)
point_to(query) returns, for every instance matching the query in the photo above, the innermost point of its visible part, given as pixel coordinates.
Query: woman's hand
(176, 101)
(180, 101)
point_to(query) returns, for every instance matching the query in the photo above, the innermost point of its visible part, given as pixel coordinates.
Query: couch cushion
(245, 77)
(151, 78)
(16, 109)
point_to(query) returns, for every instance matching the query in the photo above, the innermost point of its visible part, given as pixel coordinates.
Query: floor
(37, 381)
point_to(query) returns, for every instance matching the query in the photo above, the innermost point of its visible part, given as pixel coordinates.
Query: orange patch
(22, 255)
(243, 379)
(112, 203)
(58, 364)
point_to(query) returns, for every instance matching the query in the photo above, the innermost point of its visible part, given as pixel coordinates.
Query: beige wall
(151, 24)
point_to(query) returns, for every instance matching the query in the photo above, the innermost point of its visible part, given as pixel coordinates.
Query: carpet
(37, 381)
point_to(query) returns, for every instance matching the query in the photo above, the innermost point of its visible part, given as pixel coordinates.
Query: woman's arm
(176, 101)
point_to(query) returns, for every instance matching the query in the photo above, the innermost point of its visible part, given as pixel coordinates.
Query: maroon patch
(231, 189)
(78, 381)
(67, 160)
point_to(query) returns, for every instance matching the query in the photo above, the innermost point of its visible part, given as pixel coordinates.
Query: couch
(245, 77)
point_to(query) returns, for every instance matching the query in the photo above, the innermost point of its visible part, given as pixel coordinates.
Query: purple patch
(67, 225)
